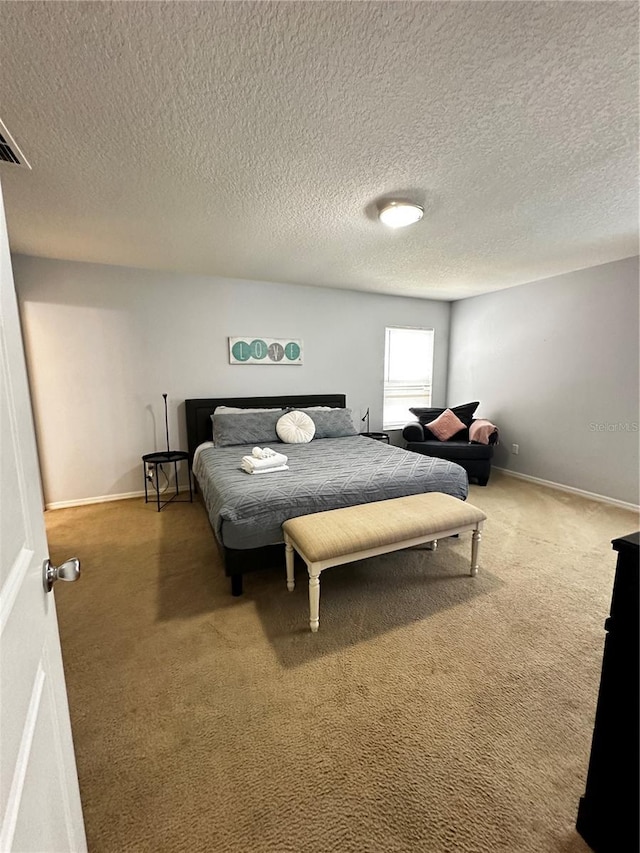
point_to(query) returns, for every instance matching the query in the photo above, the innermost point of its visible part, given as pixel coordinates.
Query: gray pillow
(245, 428)
(331, 423)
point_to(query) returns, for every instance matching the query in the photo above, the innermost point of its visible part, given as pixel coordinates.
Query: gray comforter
(247, 510)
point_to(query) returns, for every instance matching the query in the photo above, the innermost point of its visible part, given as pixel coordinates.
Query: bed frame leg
(289, 556)
(236, 584)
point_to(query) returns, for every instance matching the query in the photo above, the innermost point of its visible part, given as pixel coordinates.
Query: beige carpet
(432, 712)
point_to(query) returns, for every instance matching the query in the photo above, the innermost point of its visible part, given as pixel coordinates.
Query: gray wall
(103, 343)
(555, 365)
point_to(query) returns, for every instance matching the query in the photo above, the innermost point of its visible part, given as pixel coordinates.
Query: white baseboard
(562, 488)
(101, 499)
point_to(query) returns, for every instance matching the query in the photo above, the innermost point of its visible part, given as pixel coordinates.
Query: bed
(246, 512)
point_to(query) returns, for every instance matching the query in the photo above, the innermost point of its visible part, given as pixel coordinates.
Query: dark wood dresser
(608, 814)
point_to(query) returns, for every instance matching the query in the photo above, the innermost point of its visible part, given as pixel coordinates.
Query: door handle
(68, 571)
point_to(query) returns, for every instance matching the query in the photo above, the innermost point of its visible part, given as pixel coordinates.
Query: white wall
(555, 365)
(103, 343)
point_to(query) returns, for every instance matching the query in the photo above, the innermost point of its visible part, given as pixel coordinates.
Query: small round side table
(160, 458)
(378, 436)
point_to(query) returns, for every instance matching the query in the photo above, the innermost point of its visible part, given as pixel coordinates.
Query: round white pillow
(295, 428)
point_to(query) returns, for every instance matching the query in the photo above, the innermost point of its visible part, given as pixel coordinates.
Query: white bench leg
(475, 544)
(314, 598)
(289, 557)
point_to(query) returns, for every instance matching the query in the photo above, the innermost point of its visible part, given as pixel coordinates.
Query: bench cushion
(338, 532)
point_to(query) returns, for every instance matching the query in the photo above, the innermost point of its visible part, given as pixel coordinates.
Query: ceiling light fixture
(398, 214)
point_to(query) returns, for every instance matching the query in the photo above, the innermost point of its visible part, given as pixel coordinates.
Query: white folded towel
(269, 462)
(267, 470)
(262, 452)
(251, 464)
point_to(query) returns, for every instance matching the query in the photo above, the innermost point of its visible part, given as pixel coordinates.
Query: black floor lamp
(166, 421)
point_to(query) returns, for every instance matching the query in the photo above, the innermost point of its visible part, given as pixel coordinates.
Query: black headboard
(198, 412)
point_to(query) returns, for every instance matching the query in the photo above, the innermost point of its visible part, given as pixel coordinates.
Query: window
(408, 370)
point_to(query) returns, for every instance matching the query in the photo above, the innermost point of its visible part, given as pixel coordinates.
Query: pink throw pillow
(445, 425)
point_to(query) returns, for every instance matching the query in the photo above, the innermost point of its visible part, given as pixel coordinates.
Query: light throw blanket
(481, 431)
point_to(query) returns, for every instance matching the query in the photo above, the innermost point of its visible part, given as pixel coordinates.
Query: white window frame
(416, 392)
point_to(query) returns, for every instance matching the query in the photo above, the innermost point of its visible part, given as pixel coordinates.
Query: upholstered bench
(337, 536)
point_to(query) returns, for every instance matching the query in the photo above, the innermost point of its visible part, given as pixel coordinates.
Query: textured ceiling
(250, 140)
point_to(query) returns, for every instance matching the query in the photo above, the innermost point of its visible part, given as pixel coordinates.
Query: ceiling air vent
(9, 151)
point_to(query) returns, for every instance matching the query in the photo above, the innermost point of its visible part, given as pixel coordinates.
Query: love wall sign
(265, 351)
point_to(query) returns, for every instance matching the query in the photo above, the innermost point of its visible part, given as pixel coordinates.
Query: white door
(40, 799)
